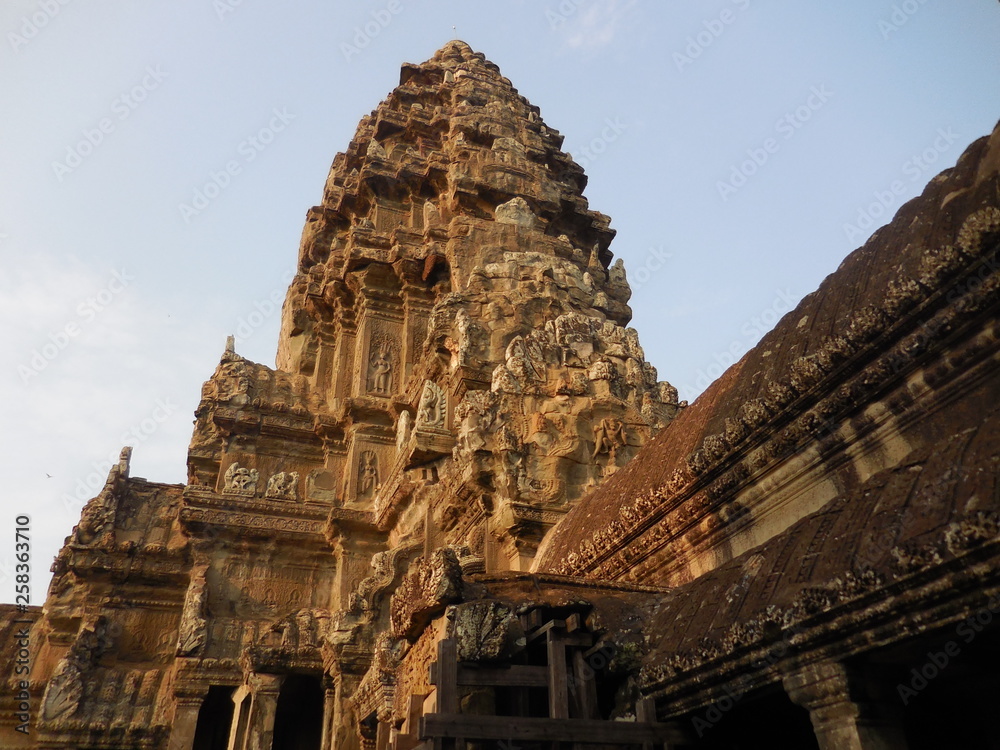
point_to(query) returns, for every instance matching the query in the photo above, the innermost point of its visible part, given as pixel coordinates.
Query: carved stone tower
(364, 556)
(453, 375)
(453, 368)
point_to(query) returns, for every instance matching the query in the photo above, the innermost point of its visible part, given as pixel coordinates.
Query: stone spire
(452, 151)
(453, 339)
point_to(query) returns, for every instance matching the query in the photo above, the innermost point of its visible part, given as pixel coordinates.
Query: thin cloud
(594, 26)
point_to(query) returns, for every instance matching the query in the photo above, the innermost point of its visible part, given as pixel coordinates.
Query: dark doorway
(951, 693)
(214, 719)
(298, 724)
(765, 720)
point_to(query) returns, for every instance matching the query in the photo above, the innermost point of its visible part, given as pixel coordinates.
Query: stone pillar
(263, 709)
(241, 713)
(329, 712)
(185, 722)
(840, 720)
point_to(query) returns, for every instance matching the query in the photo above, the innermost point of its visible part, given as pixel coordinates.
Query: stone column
(840, 720)
(329, 712)
(185, 721)
(241, 711)
(263, 709)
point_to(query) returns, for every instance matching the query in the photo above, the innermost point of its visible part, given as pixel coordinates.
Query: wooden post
(585, 688)
(447, 677)
(414, 710)
(382, 736)
(645, 712)
(558, 693)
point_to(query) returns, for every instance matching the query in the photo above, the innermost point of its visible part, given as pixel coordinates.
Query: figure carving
(521, 360)
(368, 478)
(432, 407)
(64, 692)
(380, 370)
(193, 630)
(240, 480)
(515, 211)
(602, 369)
(609, 435)
(283, 486)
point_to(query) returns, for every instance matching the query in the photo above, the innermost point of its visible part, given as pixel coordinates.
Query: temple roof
(856, 313)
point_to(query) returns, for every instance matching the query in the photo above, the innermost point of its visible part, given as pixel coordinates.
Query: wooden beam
(516, 675)
(581, 639)
(447, 676)
(558, 688)
(546, 628)
(531, 729)
(574, 622)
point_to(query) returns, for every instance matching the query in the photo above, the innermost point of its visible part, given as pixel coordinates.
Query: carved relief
(369, 481)
(240, 480)
(380, 369)
(431, 412)
(283, 486)
(97, 521)
(609, 436)
(193, 629)
(426, 590)
(65, 689)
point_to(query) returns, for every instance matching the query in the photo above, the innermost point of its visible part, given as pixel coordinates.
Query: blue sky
(741, 147)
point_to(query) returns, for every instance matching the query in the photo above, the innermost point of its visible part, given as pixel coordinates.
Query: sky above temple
(157, 161)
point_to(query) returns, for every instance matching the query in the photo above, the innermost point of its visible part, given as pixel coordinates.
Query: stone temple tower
(453, 375)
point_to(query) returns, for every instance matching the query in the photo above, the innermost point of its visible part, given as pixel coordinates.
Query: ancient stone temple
(462, 510)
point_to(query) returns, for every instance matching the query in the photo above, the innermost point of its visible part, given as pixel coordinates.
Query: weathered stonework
(425, 525)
